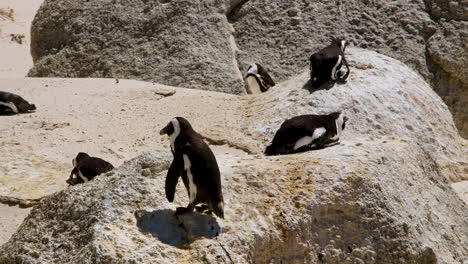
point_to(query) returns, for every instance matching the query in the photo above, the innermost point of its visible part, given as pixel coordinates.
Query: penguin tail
(218, 209)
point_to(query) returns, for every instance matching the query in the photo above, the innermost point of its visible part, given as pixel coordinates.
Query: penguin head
(262, 77)
(176, 126)
(344, 122)
(25, 106)
(80, 157)
(277, 148)
(252, 70)
(340, 117)
(341, 43)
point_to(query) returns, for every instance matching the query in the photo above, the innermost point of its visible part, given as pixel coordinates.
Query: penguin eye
(170, 128)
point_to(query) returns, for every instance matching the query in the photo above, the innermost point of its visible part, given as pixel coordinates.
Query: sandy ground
(11, 218)
(15, 61)
(15, 58)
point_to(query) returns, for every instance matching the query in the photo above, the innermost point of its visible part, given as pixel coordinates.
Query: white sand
(15, 61)
(15, 58)
(11, 218)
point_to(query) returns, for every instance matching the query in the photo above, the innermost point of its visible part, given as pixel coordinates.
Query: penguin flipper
(173, 174)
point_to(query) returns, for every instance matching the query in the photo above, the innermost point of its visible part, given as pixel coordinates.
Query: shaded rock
(167, 42)
(447, 58)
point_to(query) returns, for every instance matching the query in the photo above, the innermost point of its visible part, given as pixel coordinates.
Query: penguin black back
(325, 64)
(196, 163)
(85, 168)
(306, 132)
(13, 104)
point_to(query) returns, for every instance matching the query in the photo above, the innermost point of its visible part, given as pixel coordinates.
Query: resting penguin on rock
(258, 79)
(85, 168)
(196, 163)
(305, 132)
(14, 104)
(325, 65)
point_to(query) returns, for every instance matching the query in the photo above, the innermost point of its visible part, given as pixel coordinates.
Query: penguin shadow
(178, 231)
(8, 113)
(321, 86)
(11, 113)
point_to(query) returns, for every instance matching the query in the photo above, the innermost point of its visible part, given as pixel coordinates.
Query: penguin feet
(341, 81)
(72, 181)
(203, 209)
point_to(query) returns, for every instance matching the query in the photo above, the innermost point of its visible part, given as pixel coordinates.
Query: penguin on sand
(196, 163)
(14, 104)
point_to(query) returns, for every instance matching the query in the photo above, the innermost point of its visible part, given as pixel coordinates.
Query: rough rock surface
(381, 196)
(363, 201)
(182, 43)
(209, 41)
(430, 36)
(26, 177)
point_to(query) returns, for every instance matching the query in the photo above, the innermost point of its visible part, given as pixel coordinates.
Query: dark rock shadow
(178, 231)
(324, 86)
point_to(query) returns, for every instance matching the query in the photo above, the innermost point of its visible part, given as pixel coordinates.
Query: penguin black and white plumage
(325, 65)
(85, 168)
(305, 132)
(196, 163)
(14, 104)
(258, 80)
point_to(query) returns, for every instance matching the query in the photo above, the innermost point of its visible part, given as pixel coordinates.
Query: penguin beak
(163, 131)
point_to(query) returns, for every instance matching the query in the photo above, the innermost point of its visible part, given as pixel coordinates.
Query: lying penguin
(196, 163)
(325, 65)
(14, 104)
(306, 132)
(258, 80)
(85, 168)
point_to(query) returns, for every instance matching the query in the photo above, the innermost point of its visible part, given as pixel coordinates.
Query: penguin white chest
(11, 105)
(82, 176)
(336, 67)
(307, 140)
(339, 127)
(192, 186)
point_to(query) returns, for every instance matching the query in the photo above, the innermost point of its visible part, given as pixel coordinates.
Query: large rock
(165, 42)
(282, 35)
(159, 41)
(381, 196)
(365, 201)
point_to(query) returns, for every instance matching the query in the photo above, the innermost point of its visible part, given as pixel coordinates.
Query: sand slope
(15, 58)
(15, 62)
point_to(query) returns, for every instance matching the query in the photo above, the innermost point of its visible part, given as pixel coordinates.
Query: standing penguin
(196, 163)
(85, 168)
(325, 65)
(258, 79)
(304, 132)
(12, 103)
